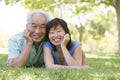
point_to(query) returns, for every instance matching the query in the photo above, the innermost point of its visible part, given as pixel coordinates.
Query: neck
(37, 45)
(58, 49)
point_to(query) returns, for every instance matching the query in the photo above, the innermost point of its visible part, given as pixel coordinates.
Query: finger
(67, 36)
(26, 32)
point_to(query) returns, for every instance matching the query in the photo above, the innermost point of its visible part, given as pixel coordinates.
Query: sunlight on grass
(103, 55)
(107, 68)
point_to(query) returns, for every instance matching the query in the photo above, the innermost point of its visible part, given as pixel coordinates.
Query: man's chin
(37, 40)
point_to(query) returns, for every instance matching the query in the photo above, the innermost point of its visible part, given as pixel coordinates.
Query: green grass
(105, 66)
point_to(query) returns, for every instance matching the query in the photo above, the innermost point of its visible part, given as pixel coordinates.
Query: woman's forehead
(56, 27)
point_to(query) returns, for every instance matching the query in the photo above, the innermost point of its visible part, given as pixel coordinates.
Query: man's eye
(34, 26)
(43, 26)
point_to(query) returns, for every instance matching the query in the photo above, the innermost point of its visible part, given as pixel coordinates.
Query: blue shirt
(54, 53)
(17, 43)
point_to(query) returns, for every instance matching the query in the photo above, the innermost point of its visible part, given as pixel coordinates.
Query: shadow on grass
(103, 67)
(3, 60)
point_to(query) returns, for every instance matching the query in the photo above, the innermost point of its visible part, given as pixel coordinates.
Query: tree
(117, 8)
(116, 5)
(50, 5)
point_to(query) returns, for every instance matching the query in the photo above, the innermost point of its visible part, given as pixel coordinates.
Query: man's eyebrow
(36, 24)
(33, 23)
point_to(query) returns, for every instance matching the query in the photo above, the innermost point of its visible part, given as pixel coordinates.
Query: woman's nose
(55, 34)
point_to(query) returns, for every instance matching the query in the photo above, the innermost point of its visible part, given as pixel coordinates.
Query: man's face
(37, 27)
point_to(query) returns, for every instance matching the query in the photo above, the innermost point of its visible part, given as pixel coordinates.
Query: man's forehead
(38, 15)
(38, 19)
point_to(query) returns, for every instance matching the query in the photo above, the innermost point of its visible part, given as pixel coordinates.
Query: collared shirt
(17, 43)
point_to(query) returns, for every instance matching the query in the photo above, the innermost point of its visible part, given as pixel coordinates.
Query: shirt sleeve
(48, 45)
(74, 46)
(13, 48)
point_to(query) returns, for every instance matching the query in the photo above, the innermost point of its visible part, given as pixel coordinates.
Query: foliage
(104, 66)
(3, 39)
(108, 2)
(99, 26)
(95, 21)
(38, 4)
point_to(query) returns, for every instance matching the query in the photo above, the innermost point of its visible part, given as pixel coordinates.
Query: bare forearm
(68, 58)
(55, 66)
(21, 60)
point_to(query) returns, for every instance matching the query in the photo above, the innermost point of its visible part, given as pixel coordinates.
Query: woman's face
(56, 35)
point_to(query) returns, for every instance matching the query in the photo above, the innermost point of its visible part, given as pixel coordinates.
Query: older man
(26, 49)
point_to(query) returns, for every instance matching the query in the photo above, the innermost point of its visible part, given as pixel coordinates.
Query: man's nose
(37, 30)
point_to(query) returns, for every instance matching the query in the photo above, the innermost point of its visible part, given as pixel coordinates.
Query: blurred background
(96, 23)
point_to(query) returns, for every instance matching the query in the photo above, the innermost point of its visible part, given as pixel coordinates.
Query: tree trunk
(80, 32)
(117, 8)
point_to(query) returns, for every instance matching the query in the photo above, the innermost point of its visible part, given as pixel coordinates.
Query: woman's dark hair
(54, 23)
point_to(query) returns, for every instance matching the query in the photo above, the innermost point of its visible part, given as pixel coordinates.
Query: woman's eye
(51, 32)
(58, 31)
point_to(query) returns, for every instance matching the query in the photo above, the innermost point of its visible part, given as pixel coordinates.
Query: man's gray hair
(38, 12)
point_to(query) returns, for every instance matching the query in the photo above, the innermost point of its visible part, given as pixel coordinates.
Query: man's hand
(27, 36)
(65, 40)
(22, 59)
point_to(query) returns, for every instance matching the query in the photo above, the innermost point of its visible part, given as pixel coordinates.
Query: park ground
(104, 66)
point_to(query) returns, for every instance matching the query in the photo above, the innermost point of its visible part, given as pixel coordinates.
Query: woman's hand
(65, 40)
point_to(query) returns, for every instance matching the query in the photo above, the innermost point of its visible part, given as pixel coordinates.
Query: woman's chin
(56, 44)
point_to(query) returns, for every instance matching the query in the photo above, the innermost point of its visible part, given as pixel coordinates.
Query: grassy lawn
(105, 66)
